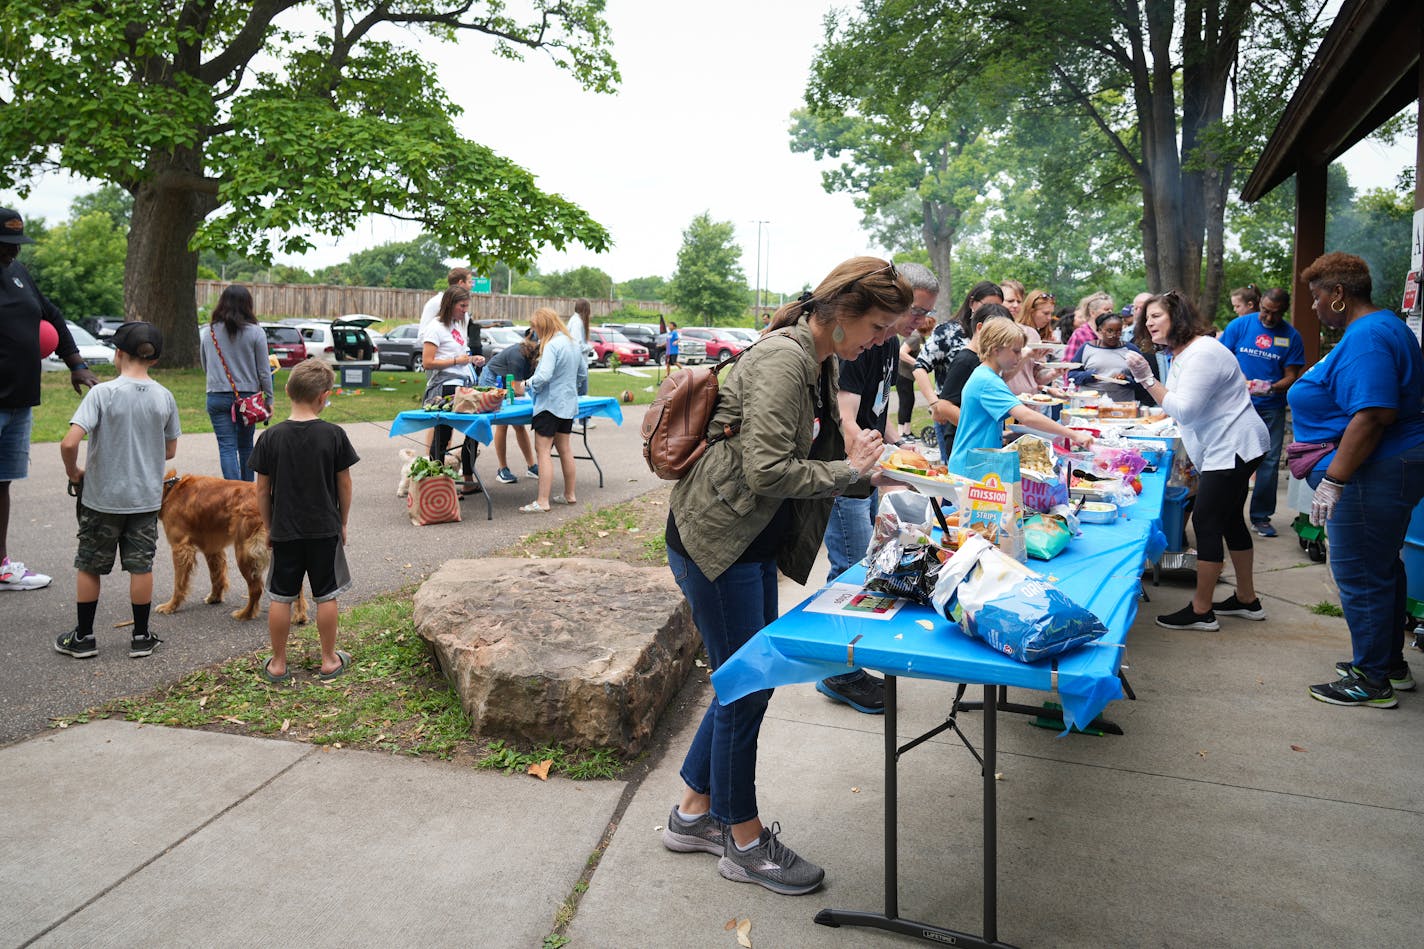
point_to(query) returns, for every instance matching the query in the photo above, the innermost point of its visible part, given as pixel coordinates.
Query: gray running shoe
(705, 834)
(1401, 680)
(772, 864)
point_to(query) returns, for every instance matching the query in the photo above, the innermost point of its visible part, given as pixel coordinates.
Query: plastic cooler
(1413, 556)
(353, 377)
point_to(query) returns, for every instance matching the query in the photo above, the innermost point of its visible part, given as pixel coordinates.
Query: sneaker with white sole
(505, 476)
(1188, 618)
(532, 471)
(771, 864)
(705, 834)
(15, 576)
(140, 646)
(72, 644)
(1401, 679)
(1355, 689)
(1231, 606)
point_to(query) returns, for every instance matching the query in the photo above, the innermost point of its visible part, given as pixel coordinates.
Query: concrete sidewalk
(1234, 811)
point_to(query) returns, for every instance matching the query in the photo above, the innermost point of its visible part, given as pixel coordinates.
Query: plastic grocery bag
(994, 598)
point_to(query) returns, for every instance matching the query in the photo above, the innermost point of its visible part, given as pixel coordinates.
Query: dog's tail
(253, 548)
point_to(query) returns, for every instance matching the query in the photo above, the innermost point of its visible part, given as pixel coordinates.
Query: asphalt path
(386, 553)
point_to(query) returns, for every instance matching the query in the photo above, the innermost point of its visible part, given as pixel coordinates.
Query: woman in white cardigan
(1206, 394)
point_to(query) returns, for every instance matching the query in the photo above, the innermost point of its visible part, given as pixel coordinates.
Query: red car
(720, 343)
(605, 342)
(286, 343)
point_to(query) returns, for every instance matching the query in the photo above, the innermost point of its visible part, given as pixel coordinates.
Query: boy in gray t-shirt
(132, 426)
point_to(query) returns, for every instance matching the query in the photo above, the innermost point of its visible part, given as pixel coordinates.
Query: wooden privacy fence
(273, 301)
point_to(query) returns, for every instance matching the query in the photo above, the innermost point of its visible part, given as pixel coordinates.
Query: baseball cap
(12, 228)
(138, 338)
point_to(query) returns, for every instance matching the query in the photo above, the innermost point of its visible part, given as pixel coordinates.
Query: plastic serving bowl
(1098, 512)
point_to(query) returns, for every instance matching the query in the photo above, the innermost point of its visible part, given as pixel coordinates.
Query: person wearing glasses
(905, 381)
(1206, 394)
(864, 403)
(939, 351)
(1272, 356)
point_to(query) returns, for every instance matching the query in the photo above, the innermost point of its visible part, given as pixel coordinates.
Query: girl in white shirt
(446, 355)
(1206, 394)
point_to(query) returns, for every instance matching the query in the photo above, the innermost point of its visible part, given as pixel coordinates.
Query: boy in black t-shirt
(303, 468)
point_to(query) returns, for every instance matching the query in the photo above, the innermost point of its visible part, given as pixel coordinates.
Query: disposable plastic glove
(1141, 371)
(1322, 505)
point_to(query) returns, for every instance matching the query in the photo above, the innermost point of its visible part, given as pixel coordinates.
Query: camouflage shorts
(135, 536)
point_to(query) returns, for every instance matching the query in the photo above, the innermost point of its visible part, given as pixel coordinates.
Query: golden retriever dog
(207, 515)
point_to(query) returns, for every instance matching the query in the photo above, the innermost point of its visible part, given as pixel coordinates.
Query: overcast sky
(699, 123)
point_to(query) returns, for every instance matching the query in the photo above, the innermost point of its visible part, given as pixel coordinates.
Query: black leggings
(905, 391)
(1217, 514)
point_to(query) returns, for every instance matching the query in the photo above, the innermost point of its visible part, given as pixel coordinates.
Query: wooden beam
(1310, 183)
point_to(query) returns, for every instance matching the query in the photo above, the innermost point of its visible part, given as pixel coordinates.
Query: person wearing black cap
(22, 307)
(132, 426)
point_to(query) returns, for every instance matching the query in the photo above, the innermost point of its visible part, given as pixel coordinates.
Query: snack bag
(477, 400)
(993, 508)
(1045, 537)
(902, 558)
(998, 600)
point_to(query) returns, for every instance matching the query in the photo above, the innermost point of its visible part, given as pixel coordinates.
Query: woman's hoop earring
(838, 334)
(1340, 308)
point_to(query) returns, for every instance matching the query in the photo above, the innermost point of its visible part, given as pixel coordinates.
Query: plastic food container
(1085, 399)
(1098, 512)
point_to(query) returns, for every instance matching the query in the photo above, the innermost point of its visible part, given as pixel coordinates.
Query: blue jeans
(728, 612)
(234, 438)
(1263, 498)
(944, 434)
(849, 530)
(1366, 535)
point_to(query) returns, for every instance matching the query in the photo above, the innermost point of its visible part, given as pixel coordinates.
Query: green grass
(1326, 608)
(390, 394)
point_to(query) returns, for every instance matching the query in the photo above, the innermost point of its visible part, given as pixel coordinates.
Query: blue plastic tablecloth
(481, 426)
(1101, 570)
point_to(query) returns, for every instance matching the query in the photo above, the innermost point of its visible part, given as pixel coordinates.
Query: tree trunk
(160, 272)
(938, 228)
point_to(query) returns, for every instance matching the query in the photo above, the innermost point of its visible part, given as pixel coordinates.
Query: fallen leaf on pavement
(1297, 748)
(1201, 754)
(127, 622)
(731, 924)
(541, 770)
(744, 928)
(855, 790)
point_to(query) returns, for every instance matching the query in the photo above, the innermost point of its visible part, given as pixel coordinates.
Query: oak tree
(251, 125)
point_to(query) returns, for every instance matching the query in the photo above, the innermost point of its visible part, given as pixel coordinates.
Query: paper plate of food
(1062, 365)
(1105, 377)
(1048, 346)
(910, 467)
(1040, 398)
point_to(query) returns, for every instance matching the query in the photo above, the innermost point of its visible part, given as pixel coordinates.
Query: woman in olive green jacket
(754, 502)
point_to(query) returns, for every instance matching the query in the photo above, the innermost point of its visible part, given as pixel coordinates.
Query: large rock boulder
(580, 651)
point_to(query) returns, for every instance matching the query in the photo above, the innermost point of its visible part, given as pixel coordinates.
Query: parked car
(608, 342)
(690, 352)
(101, 327)
(94, 352)
(496, 338)
(286, 343)
(720, 343)
(402, 347)
(339, 342)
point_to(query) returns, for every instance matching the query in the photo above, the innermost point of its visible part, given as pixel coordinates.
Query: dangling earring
(838, 335)
(1340, 308)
